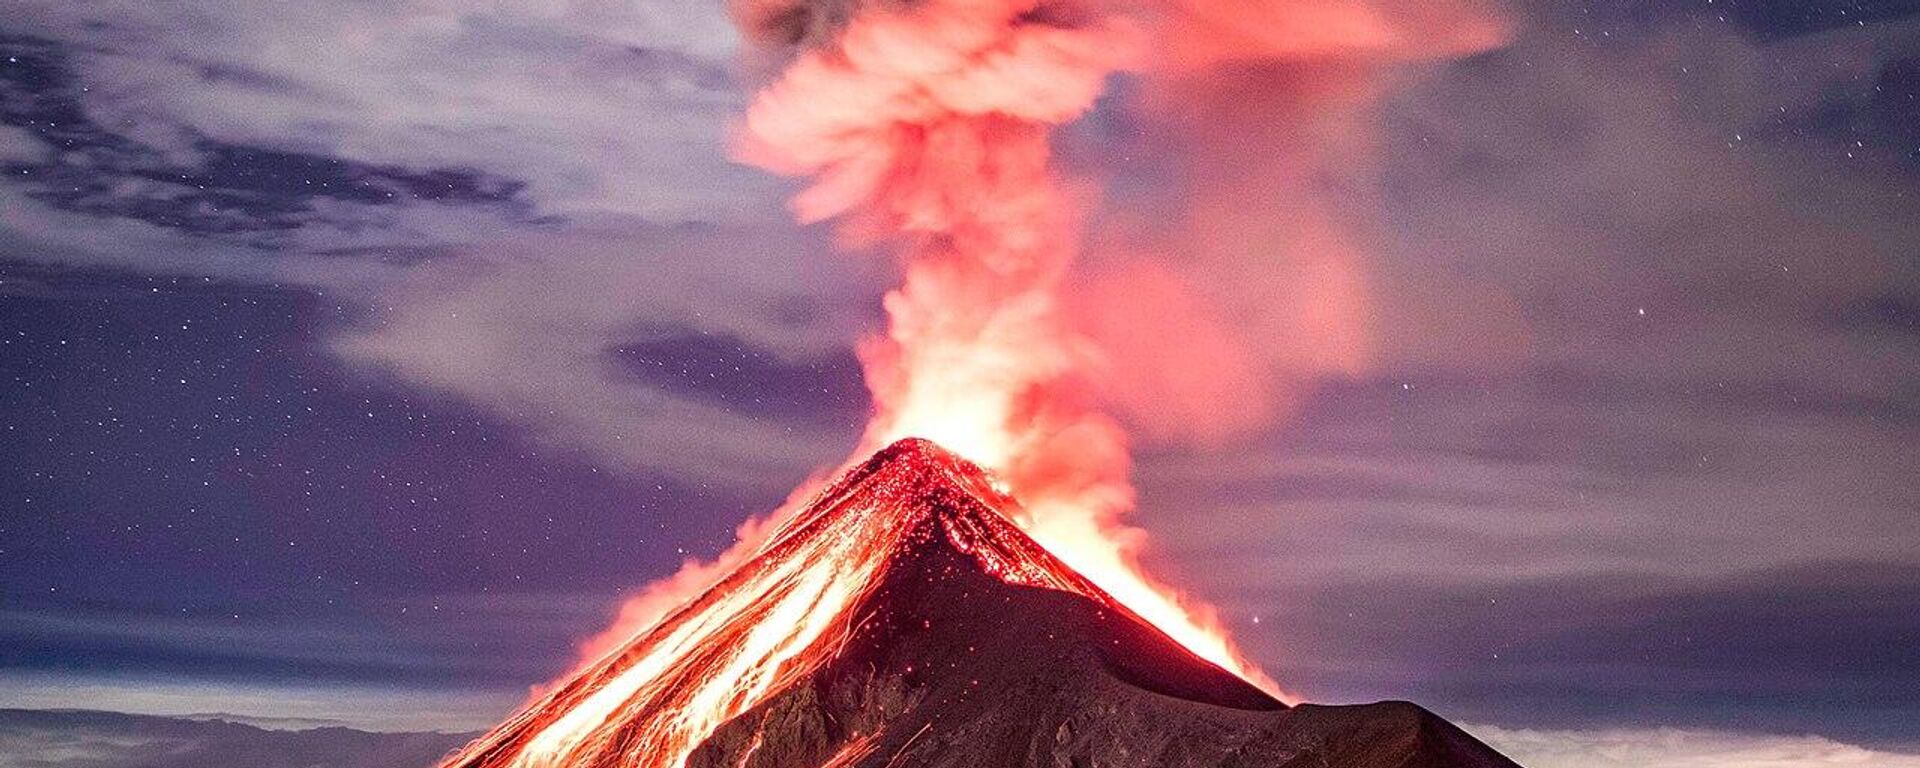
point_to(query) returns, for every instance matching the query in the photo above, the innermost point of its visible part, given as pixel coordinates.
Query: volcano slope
(958, 643)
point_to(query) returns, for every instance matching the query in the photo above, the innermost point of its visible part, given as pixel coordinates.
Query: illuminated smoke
(1257, 255)
(924, 128)
(927, 127)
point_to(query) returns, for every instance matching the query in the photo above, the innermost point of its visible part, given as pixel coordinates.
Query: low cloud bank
(72, 739)
(76, 739)
(1676, 748)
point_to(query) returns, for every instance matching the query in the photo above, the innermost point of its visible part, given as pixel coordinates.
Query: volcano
(903, 620)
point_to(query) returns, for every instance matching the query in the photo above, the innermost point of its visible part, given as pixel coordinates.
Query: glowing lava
(782, 614)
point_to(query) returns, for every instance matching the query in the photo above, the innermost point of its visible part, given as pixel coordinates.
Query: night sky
(357, 358)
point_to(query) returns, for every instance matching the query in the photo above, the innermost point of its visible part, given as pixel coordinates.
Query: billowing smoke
(927, 126)
(925, 129)
(1245, 274)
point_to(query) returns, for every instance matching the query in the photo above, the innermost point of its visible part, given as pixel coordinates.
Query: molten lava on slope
(902, 619)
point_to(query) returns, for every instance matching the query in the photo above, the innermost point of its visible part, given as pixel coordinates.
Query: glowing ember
(786, 611)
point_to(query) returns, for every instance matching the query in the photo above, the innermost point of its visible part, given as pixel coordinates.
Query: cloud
(515, 196)
(1651, 196)
(1820, 645)
(72, 739)
(597, 106)
(1674, 748)
(488, 642)
(19, 146)
(1660, 205)
(94, 739)
(529, 328)
(1537, 475)
(373, 709)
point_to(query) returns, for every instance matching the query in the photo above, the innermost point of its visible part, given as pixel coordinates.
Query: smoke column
(926, 127)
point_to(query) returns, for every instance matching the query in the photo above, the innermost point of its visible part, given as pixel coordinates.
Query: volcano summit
(902, 620)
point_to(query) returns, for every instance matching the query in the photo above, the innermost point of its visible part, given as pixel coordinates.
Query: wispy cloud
(38, 739)
(530, 329)
(111, 740)
(611, 107)
(368, 708)
(513, 195)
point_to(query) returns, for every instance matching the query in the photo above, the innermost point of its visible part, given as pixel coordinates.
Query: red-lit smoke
(1264, 115)
(928, 126)
(925, 128)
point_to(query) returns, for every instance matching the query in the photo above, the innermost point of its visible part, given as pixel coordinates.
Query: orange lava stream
(778, 617)
(650, 705)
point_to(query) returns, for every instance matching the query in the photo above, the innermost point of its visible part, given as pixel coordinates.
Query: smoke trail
(927, 126)
(1256, 261)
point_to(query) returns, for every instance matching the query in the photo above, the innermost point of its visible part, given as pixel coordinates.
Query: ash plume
(926, 127)
(1262, 245)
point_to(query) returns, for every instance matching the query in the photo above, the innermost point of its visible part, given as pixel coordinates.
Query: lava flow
(789, 609)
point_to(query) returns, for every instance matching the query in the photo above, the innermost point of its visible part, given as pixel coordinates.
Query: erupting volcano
(912, 614)
(902, 619)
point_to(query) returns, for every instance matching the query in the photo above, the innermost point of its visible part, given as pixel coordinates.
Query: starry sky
(358, 357)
